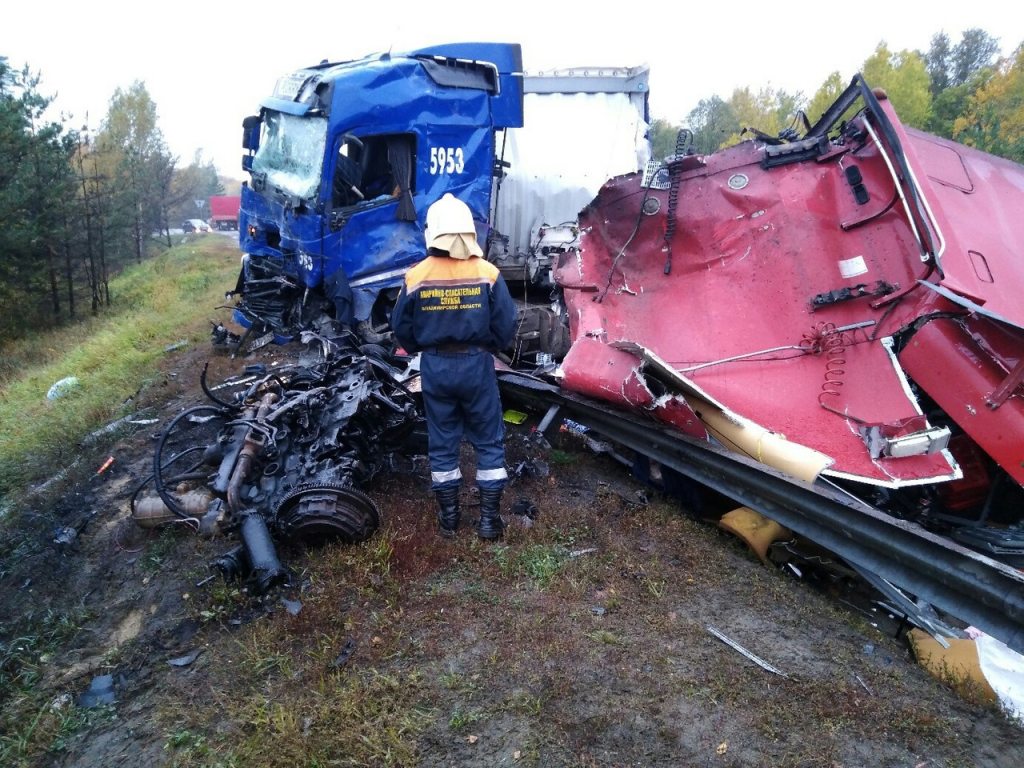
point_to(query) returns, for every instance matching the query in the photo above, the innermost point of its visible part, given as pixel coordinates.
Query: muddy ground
(580, 640)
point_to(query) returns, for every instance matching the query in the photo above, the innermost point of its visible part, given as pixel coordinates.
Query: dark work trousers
(460, 394)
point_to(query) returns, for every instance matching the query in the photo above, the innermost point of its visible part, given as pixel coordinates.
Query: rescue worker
(455, 308)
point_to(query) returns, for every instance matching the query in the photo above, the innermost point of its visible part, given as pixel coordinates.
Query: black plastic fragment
(342, 659)
(526, 508)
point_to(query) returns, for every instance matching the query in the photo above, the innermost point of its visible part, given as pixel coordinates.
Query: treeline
(78, 204)
(963, 91)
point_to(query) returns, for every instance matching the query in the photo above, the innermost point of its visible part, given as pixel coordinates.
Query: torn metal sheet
(930, 624)
(731, 429)
(854, 292)
(620, 379)
(784, 365)
(968, 347)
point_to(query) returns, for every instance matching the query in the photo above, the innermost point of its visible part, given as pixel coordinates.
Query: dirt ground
(580, 640)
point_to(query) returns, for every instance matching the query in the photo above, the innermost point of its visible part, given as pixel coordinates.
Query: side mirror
(251, 132)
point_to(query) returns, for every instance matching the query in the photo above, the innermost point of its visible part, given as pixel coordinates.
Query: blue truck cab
(345, 158)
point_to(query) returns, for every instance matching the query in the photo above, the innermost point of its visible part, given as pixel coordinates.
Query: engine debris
(285, 457)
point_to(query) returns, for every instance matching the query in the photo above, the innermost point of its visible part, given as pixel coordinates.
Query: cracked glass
(291, 153)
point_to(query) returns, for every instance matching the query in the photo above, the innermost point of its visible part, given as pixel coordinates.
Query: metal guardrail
(959, 581)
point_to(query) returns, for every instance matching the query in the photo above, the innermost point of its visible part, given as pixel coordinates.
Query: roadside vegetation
(962, 90)
(79, 203)
(163, 301)
(158, 303)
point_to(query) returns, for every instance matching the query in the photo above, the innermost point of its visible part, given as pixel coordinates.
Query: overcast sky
(208, 64)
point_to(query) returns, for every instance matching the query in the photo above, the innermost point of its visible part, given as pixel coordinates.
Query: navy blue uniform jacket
(454, 301)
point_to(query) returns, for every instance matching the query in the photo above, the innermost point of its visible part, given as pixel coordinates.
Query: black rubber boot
(491, 524)
(448, 510)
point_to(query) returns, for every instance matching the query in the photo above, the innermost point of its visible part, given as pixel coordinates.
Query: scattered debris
(342, 660)
(919, 614)
(863, 685)
(64, 536)
(633, 503)
(723, 748)
(113, 426)
(292, 449)
(179, 345)
(994, 671)
(101, 691)
(515, 417)
(580, 552)
(522, 521)
(604, 447)
(568, 425)
(526, 508)
(61, 702)
(186, 660)
(756, 659)
(106, 465)
(472, 739)
(597, 610)
(292, 606)
(537, 433)
(531, 468)
(63, 387)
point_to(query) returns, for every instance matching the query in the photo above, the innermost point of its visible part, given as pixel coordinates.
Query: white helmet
(450, 228)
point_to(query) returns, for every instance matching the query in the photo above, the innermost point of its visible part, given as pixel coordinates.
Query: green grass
(157, 303)
(538, 562)
(158, 550)
(30, 721)
(460, 719)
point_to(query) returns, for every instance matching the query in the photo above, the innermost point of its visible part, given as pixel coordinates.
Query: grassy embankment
(165, 300)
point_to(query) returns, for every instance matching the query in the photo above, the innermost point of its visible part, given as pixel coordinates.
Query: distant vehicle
(224, 212)
(195, 225)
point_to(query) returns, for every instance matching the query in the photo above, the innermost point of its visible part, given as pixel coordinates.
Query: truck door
(373, 212)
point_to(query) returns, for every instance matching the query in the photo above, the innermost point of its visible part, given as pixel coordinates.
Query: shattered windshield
(291, 153)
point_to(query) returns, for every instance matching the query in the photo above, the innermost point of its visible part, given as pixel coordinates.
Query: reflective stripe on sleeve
(492, 474)
(447, 477)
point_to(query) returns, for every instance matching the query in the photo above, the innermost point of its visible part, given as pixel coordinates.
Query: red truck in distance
(224, 212)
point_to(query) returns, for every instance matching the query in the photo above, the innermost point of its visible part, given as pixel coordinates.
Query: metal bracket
(1010, 383)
